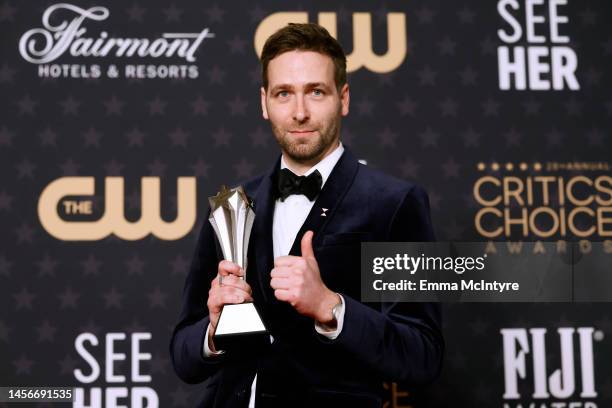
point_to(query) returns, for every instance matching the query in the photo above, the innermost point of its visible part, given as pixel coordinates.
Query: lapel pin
(324, 211)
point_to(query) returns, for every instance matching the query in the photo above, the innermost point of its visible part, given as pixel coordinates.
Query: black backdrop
(439, 117)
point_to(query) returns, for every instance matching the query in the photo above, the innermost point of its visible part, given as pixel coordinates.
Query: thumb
(307, 251)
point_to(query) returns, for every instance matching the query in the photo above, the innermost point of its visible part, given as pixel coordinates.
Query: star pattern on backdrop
(430, 121)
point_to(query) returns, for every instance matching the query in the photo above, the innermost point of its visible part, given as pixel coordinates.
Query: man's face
(303, 104)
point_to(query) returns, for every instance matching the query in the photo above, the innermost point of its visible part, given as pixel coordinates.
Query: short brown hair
(304, 37)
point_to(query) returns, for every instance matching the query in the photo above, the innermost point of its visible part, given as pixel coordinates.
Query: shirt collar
(325, 166)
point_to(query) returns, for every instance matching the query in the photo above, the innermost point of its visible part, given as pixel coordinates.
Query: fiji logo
(562, 382)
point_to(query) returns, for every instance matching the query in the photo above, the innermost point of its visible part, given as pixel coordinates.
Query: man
(313, 209)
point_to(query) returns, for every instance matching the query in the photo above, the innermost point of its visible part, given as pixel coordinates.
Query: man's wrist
(209, 345)
(326, 316)
(211, 335)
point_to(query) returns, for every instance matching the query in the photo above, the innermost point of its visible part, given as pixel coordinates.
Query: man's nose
(301, 113)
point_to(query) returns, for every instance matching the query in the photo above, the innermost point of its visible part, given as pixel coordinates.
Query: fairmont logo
(64, 32)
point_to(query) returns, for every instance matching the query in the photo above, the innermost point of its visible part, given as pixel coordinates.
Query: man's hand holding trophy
(233, 315)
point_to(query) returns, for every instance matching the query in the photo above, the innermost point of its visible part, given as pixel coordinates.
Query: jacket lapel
(327, 202)
(330, 197)
(262, 231)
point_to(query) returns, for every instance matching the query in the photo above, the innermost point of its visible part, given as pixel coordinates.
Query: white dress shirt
(289, 216)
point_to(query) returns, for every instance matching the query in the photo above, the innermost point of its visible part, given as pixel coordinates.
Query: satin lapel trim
(327, 202)
(264, 213)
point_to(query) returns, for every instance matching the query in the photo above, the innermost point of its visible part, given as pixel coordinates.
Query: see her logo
(541, 64)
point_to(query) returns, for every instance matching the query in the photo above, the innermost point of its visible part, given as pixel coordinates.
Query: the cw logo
(113, 220)
(362, 55)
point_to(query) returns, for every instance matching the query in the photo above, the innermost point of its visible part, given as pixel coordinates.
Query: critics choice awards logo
(545, 201)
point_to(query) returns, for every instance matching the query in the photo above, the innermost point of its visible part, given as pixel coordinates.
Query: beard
(308, 148)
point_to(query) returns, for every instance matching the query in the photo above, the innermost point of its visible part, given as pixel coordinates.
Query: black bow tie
(288, 183)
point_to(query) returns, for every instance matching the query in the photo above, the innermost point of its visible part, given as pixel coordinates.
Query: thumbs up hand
(297, 280)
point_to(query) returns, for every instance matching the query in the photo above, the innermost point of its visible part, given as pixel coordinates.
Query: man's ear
(345, 98)
(264, 109)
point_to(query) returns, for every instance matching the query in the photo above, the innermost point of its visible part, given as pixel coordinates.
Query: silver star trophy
(232, 216)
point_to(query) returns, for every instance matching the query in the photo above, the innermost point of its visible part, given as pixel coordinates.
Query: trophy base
(240, 327)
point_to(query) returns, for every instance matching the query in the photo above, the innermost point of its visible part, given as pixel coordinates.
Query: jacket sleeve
(186, 345)
(400, 341)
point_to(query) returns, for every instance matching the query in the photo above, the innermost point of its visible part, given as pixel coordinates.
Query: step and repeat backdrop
(119, 119)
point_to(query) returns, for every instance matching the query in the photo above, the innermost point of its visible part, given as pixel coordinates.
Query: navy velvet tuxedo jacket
(379, 342)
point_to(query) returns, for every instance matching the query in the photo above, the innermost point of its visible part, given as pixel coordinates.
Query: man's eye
(282, 94)
(317, 92)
